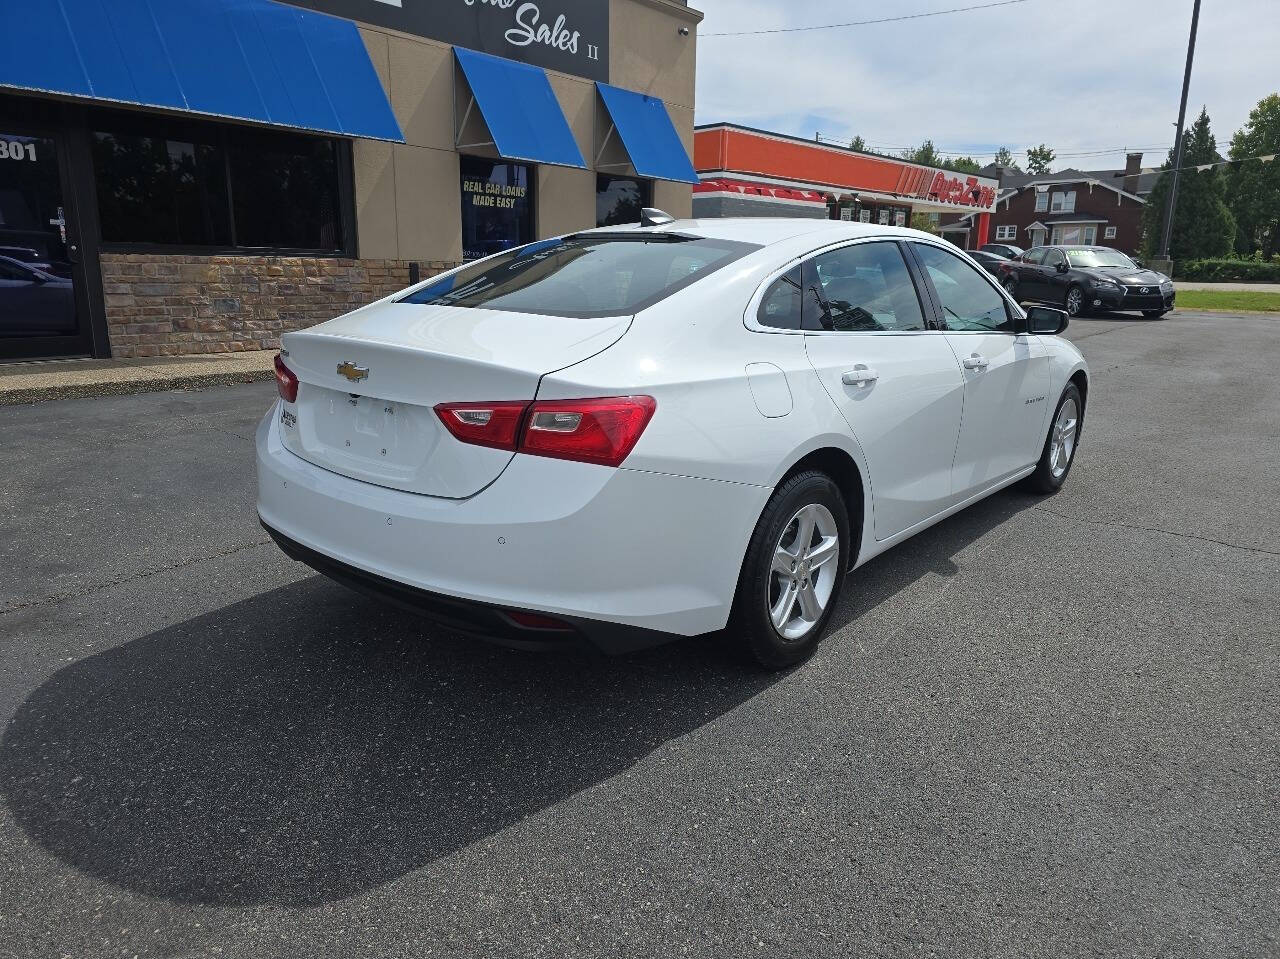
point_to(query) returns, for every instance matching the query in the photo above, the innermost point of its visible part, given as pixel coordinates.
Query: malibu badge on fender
(352, 372)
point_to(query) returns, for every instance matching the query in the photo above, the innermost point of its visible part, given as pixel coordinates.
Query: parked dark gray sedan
(1086, 279)
(989, 261)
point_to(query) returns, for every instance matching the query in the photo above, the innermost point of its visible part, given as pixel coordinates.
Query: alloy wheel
(804, 572)
(1062, 442)
(1075, 300)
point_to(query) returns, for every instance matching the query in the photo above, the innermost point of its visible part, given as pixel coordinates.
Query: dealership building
(202, 176)
(748, 172)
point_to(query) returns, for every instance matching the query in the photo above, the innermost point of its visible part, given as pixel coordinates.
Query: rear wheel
(792, 571)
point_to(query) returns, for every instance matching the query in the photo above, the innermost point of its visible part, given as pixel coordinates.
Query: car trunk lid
(369, 382)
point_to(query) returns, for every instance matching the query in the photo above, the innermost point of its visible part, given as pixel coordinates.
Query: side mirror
(1046, 320)
(1139, 264)
(1062, 267)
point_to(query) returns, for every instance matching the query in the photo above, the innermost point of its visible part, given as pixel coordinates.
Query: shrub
(1227, 271)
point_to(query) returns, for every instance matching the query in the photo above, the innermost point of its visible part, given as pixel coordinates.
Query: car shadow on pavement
(308, 744)
(930, 552)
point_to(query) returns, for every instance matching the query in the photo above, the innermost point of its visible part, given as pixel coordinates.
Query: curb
(149, 384)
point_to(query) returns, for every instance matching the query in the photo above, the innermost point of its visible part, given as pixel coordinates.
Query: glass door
(43, 311)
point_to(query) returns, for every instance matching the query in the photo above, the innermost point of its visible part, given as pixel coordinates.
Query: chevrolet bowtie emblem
(352, 372)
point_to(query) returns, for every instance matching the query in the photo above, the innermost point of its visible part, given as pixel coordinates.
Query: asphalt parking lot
(1047, 727)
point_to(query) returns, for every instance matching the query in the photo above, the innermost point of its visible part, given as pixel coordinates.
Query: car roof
(769, 230)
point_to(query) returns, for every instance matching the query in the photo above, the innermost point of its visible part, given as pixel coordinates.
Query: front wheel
(1074, 302)
(1011, 287)
(1060, 445)
(792, 571)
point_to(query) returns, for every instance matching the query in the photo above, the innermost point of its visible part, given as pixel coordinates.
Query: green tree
(1202, 224)
(925, 154)
(967, 164)
(859, 144)
(1039, 158)
(1253, 187)
(928, 222)
(1004, 158)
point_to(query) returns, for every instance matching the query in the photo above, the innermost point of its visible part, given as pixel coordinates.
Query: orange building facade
(753, 172)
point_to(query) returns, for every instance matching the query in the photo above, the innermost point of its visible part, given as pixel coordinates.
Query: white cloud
(1082, 76)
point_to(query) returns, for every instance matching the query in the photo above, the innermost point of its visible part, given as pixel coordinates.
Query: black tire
(1080, 309)
(1011, 287)
(750, 620)
(1045, 479)
(1154, 314)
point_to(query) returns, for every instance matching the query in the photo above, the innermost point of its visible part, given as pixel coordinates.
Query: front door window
(36, 296)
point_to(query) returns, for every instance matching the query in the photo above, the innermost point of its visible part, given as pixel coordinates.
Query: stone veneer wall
(169, 305)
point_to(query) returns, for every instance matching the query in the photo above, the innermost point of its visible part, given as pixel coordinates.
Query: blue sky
(1080, 75)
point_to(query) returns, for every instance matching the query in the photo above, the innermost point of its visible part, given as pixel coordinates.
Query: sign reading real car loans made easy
(571, 36)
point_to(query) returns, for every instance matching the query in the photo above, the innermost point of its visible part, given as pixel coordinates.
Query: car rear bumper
(626, 558)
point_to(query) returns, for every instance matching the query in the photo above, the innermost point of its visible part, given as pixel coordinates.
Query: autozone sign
(941, 186)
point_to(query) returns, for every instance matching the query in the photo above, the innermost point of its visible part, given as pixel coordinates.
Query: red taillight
(483, 424)
(286, 382)
(601, 430)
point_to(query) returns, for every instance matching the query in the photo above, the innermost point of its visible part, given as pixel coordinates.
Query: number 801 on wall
(17, 150)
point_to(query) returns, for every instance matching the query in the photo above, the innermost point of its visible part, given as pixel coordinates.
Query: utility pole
(1177, 146)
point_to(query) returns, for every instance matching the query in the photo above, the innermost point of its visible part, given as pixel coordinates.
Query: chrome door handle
(975, 362)
(859, 376)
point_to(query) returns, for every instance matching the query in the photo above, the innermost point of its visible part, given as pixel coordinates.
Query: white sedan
(626, 435)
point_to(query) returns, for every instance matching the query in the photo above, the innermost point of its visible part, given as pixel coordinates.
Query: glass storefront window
(497, 206)
(285, 190)
(36, 295)
(156, 190)
(178, 183)
(620, 199)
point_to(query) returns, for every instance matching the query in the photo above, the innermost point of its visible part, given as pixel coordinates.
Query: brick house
(1102, 207)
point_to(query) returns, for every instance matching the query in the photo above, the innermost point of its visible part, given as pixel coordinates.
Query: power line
(864, 23)
(950, 151)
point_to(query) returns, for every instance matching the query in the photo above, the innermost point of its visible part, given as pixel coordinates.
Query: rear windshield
(584, 276)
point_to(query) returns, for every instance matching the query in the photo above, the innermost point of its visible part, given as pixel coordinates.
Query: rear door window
(861, 288)
(584, 276)
(780, 306)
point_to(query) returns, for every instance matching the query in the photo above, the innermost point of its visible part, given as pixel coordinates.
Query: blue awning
(241, 59)
(648, 135)
(520, 109)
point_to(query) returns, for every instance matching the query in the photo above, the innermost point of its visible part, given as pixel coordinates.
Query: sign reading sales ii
(571, 36)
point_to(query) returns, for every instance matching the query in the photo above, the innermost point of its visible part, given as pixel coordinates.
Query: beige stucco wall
(646, 51)
(407, 195)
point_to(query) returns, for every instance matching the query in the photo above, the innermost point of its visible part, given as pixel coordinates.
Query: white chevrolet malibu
(626, 435)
